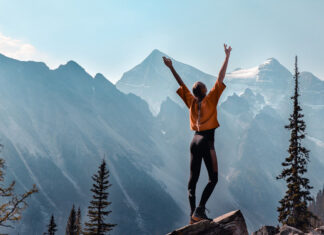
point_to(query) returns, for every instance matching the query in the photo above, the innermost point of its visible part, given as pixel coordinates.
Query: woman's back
(207, 112)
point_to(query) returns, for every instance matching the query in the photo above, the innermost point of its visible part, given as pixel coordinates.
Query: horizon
(93, 75)
(111, 37)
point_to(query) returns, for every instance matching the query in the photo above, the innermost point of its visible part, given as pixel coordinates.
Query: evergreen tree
(51, 227)
(293, 210)
(78, 222)
(12, 205)
(97, 211)
(71, 226)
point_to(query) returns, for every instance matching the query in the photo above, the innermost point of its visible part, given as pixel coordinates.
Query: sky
(111, 37)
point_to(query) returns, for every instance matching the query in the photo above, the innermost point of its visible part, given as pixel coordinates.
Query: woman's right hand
(167, 62)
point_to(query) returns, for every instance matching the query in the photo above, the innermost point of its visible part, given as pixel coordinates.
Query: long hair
(197, 89)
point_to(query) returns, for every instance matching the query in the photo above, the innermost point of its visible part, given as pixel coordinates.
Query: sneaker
(192, 221)
(199, 214)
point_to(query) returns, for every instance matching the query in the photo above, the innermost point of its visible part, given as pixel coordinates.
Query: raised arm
(168, 63)
(222, 72)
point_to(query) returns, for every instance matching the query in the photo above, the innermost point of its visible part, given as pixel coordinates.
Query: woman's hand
(222, 72)
(227, 50)
(167, 62)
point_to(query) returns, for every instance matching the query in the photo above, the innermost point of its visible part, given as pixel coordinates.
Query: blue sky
(111, 37)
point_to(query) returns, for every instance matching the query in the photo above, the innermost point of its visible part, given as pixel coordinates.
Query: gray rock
(288, 230)
(231, 223)
(266, 230)
(317, 231)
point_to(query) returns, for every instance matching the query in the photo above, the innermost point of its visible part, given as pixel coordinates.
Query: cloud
(21, 50)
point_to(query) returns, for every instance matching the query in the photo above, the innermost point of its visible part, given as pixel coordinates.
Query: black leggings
(200, 148)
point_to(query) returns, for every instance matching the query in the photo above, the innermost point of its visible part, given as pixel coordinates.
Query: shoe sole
(197, 219)
(192, 221)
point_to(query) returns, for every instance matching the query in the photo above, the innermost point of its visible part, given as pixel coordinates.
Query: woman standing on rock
(203, 120)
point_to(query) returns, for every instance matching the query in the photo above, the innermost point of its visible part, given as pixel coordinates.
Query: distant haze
(57, 124)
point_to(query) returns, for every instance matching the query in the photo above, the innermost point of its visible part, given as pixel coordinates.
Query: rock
(231, 223)
(317, 231)
(266, 230)
(288, 230)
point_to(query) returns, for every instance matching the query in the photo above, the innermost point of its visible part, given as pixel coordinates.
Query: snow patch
(244, 73)
(135, 85)
(231, 174)
(75, 185)
(318, 142)
(268, 61)
(34, 178)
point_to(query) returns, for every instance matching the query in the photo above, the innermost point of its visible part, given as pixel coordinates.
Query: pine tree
(51, 227)
(78, 222)
(293, 210)
(71, 226)
(97, 209)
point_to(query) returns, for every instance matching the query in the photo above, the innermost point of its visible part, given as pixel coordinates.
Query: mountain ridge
(59, 130)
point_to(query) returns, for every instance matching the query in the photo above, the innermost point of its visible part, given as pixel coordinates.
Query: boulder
(317, 231)
(266, 230)
(288, 230)
(231, 223)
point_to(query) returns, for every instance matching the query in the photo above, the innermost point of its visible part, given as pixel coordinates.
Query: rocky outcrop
(232, 223)
(317, 231)
(266, 230)
(286, 230)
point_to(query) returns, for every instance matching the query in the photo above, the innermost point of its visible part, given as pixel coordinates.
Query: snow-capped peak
(270, 61)
(250, 73)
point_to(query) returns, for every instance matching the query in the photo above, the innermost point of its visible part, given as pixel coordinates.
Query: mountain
(57, 125)
(251, 141)
(153, 81)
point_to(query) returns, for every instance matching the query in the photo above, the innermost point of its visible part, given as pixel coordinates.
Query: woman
(203, 120)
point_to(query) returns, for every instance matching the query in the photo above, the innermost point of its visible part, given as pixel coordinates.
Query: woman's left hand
(227, 50)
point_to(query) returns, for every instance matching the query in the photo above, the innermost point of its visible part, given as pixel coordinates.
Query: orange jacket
(208, 111)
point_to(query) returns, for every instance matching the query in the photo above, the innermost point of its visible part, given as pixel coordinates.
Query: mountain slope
(251, 141)
(56, 125)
